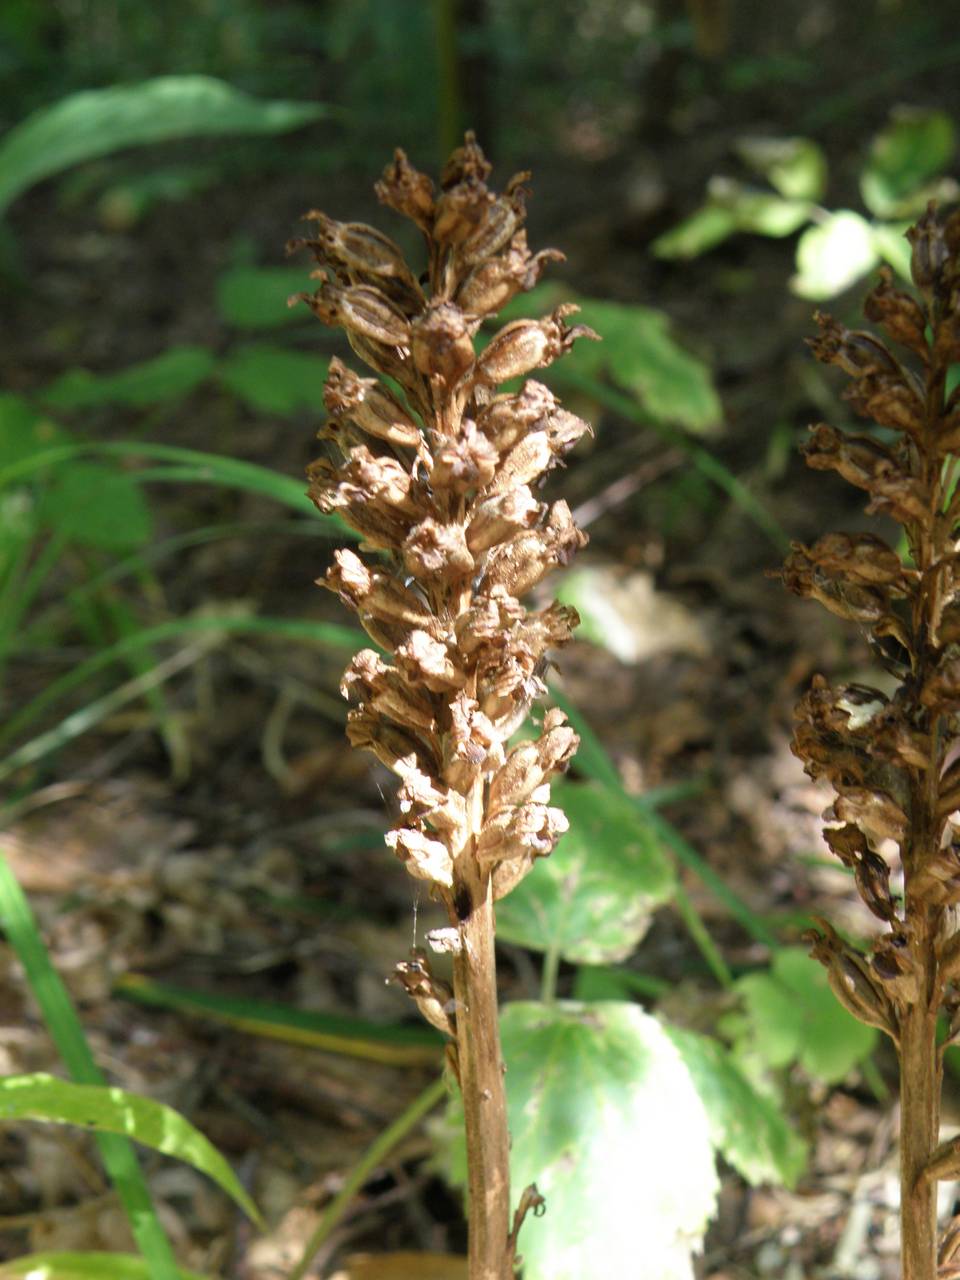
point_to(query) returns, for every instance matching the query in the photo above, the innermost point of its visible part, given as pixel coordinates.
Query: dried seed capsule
(407, 190)
(442, 342)
(369, 404)
(524, 345)
(433, 997)
(424, 858)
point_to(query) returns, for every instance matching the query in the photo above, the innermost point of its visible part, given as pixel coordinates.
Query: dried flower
(892, 760)
(440, 486)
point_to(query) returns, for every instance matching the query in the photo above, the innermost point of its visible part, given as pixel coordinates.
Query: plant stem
(548, 978)
(920, 1081)
(481, 1083)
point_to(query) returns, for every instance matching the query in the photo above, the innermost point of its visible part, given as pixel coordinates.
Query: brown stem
(481, 1083)
(920, 1081)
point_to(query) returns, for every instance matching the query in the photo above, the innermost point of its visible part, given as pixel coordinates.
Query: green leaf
(709, 226)
(97, 122)
(97, 506)
(759, 212)
(745, 1126)
(83, 1266)
(833, 255)
(593, 897)
(166, 378)
(47, 1099)
(256, 297)
(893, 246)
(24, 432)
(605, 1119)
(275, 380)
(914, 147)
(638, 352)
(796, 167)
(793, 1016)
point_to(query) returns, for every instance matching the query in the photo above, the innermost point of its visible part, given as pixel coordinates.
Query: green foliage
(46, 1099)
(592, 899)
(274, 379)
(901, 172)
(791, 1015)
(257, 297)
(746, 1127)
(94, 505)
(165, 379)
(97, 122)
(638, 353)
(605, 1119)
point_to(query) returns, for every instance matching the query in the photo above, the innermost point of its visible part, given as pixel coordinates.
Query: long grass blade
(119, 1158)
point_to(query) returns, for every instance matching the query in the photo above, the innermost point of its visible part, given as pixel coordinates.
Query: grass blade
(119, 1157)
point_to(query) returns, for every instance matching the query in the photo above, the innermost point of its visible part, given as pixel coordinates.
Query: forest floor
(251, 863)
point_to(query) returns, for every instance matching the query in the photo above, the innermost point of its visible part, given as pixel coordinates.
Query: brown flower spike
(893, 758)
(440, 482)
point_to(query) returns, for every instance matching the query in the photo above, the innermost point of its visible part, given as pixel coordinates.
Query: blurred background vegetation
(177, 799)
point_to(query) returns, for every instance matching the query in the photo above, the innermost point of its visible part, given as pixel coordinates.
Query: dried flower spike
(440, 486)
(893, 760)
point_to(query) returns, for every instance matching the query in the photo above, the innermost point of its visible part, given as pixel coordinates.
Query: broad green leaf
(167, 377)
(796, 167)
(833, 255)
(745, 1126)
(97, 506)
(24, 432)
(791, 1015)
(759, 212)
(83, 1266)
(914, 147)
(605, 1119)
(256, 297)
(638, 352)
(593, 897)
(709, 226)
(97, 122)
(50, 1100)
(275, 380)
(893, 246)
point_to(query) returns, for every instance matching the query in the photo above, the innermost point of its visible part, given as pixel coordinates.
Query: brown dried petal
(468, 462)
(942, 690)
(876, 814)
(437, 551)
(492, 283)
(521, 563)
(361, 309)
(857, 557)
(442, 342)
(424, 858)
(529, 344)
(508, 418)
(929, 252)
(501, 516)
(473, 737)
(532, 763)
(375, 593)
(433, 997)
(528, 830)
(465, 163)
(427, 661)
(407, 190)
(854, 350)
(899, 313)
(400, 752)
(369, 404)
(851, 980)
(501, 219)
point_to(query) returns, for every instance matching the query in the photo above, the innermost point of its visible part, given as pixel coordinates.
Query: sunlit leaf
(97, 506)
(791, 1015)
(893, 246)
(913, 148)
(605, 1119)
(833, 255)
(96, 122)
(83, 1266)
(638, 351)
(745, 1126)
(274, 379)
(256, 297)
(593, 897)
(50, 1100)
(167, 377)
(796, 167)
(709, 226)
